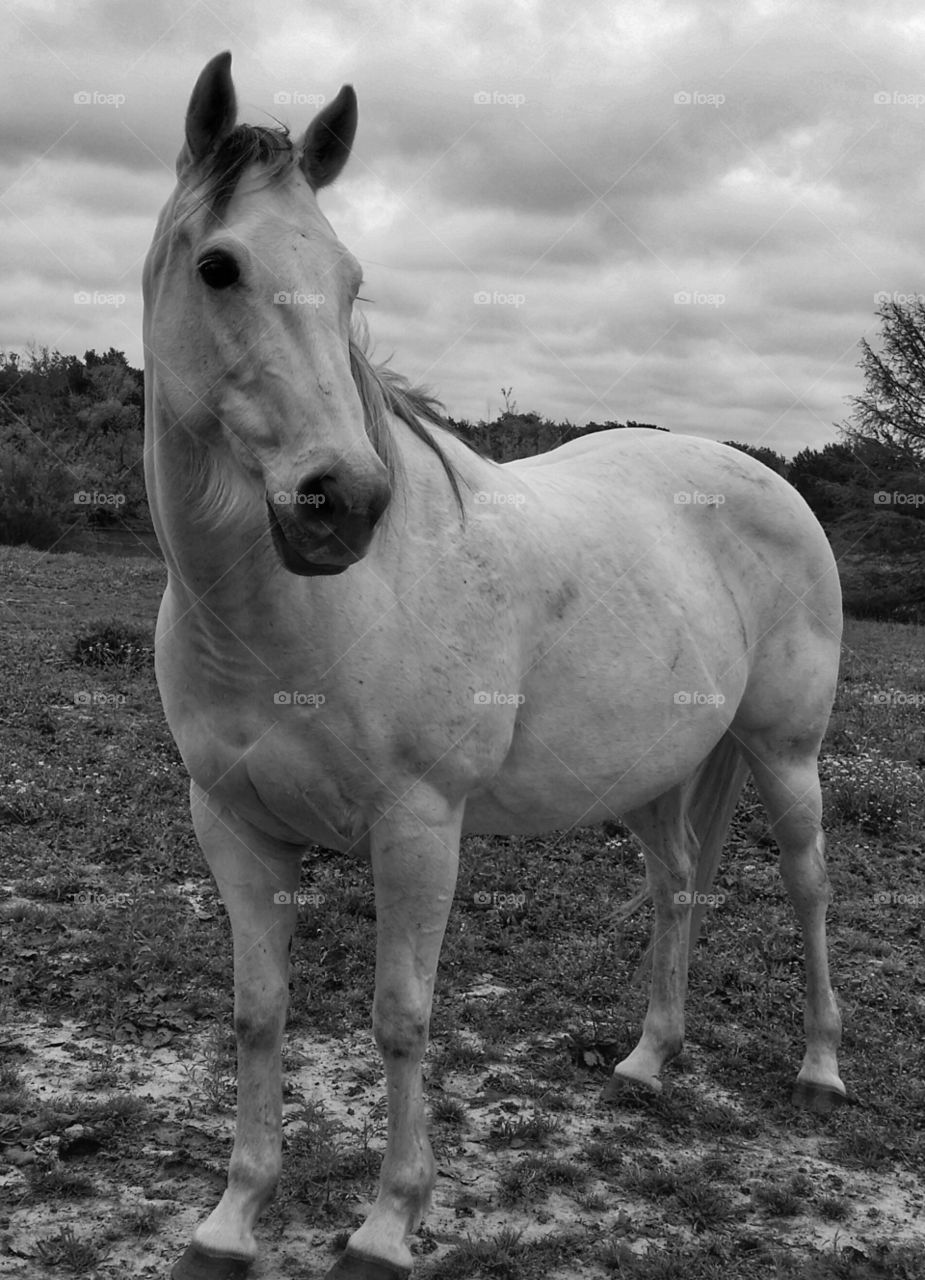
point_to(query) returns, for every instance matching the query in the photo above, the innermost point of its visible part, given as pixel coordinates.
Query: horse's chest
(270, 750)
(285, 779)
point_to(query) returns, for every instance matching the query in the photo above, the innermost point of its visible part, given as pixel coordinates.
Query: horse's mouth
(299, 562)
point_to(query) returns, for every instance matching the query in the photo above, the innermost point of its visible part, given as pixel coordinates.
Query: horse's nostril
(317, 498)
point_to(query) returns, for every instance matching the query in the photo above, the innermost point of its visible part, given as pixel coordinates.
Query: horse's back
(692, 494)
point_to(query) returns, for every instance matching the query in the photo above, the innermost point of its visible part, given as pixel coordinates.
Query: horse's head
(248, 300)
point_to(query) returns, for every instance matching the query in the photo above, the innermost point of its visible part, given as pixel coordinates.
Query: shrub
(113, 644)
(36, 495)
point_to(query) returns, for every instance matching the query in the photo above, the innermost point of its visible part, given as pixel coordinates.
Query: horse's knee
(399, 1027)
(259, 1021)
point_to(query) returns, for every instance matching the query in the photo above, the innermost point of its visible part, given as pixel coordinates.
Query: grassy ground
(116, 1069)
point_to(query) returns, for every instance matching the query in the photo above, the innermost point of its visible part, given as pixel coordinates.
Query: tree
(776, 461)
(891, 411)
(833, 480)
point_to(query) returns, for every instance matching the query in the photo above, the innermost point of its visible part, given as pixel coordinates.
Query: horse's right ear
(211, 114)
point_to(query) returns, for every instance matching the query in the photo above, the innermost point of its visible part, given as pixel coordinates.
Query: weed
(456, 1053)
(448, 1110)
(145, 1219)
(500, 1256)
(113, 644)
(324, 1164)
(532, 1177)
(524, 1131)
(780, 1202)
(872, 1146)
(66, 1250)
(57, 1182)
(605, 1156)
(594, 1202)
(215, 1080)
(833, 1208)
(705, 1207)
(870, 792)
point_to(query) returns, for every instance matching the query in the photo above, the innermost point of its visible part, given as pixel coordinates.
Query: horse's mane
(383, 391)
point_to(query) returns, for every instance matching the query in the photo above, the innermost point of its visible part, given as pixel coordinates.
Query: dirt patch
(175, 1171)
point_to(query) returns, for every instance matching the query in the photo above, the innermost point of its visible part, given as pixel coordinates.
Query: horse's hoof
(821, 1099)
(196, 1264)
(355, 1266)
(619, 1087)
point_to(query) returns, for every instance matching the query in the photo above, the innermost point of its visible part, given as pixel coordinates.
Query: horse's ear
(212, 111)
(328, 139)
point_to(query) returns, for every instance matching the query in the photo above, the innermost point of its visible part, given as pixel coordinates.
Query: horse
(627, 626)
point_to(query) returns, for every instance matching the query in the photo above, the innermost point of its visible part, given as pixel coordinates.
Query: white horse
(624, 626)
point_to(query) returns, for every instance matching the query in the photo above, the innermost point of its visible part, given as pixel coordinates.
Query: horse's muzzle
(315, 530)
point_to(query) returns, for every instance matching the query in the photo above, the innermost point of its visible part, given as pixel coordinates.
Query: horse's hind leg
(668, 845)
(787, 779)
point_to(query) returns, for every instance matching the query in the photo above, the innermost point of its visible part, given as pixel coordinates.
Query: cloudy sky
(680, 213)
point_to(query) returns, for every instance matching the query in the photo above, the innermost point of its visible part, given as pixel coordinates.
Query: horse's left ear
(328, 139)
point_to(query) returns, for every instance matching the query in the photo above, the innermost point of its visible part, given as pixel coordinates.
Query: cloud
(582, 168)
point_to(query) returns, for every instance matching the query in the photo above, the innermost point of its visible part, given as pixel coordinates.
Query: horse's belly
(568, 779)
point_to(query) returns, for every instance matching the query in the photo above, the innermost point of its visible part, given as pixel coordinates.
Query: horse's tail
(714, 792)
(710, 797)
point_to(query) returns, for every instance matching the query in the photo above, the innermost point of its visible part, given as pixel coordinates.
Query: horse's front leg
(415, 859)
(258, 879)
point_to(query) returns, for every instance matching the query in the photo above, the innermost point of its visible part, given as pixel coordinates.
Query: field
(117, 1059)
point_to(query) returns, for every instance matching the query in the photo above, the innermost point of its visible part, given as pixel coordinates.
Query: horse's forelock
(246, 145)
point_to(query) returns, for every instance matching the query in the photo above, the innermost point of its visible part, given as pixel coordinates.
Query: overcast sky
(584, 168)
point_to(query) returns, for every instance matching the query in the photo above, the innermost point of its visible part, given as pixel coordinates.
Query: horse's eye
(219, 270)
